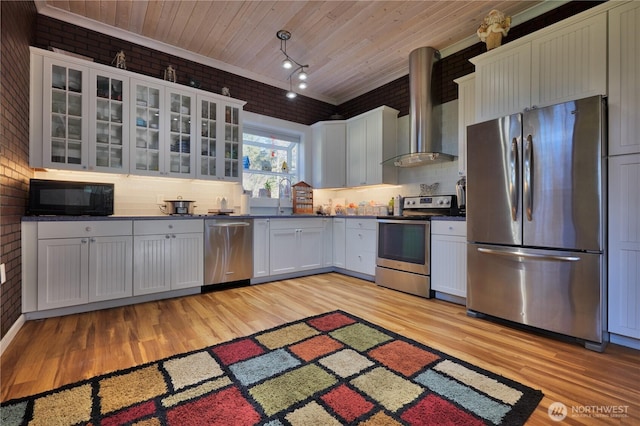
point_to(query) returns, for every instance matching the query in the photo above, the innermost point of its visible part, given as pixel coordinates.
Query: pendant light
(291, 64)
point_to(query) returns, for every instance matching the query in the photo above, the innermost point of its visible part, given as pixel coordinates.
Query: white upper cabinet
(88, 116)
(560, 63)
(64, 104)
(180, 133)
(147, 134)
(329, 154)
(570, 63)
(466, 116)
(371, 139)
(219, 146)
(109, 127)
(162, 130)
(624, 79)
(503, 81)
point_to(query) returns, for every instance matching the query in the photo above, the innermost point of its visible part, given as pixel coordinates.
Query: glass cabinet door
(147, 154)
(232, 140)
(207, 159)
(180, 160)
(65, 110)
(110, 113)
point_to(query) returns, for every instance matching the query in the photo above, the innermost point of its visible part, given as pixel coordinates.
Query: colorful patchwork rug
(330, 369)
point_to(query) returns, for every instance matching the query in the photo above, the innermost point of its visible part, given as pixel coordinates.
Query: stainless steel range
(404, 243)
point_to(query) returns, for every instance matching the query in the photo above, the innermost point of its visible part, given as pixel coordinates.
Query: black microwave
(54, 197)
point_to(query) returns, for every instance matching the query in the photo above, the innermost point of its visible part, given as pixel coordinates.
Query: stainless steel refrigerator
(536, 219)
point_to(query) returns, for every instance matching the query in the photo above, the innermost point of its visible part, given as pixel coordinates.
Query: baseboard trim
(11, 334)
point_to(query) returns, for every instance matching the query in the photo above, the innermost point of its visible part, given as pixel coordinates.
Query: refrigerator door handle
(514, 183)
(529, 255)
(528, 167)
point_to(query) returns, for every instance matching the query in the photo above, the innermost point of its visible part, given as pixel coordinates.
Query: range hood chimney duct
(424, 148)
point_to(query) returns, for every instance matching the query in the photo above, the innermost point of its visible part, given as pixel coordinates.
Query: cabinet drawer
(353, 223)
(297, 223)
(83, 229)
(363, 262)
(150, 227)
(449, 227)
(361, 240)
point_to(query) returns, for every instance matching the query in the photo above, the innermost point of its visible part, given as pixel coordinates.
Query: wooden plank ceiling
(351, 46)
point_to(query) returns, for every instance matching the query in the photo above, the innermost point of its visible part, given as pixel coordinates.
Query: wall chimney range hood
(424, 147)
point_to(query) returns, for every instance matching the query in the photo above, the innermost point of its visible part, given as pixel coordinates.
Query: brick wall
(18, 19)
(261, 98)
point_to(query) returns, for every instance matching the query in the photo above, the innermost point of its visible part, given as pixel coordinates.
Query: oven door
(404, 245)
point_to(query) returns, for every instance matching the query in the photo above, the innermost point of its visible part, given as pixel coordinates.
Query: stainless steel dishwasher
(228, 250)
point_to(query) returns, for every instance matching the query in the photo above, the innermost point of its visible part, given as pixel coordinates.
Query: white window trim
(277, 125)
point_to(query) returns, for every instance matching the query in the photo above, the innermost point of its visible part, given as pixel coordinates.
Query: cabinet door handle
(93, 240)
(84, 241)
(167, 236)
(173, 235)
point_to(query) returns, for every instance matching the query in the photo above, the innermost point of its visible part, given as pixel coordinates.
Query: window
(264, 153)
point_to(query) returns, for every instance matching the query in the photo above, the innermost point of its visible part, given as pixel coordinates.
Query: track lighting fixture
(291, 64)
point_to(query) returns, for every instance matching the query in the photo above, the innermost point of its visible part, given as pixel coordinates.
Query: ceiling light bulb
(302, 85)
(291, 94)
(286, 64)
(302, 75)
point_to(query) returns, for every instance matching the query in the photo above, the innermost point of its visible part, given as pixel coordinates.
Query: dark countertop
(177, 217)
(205, 216)
(453, 218)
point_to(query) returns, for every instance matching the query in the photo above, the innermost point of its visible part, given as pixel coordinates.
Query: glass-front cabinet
(232, 142)
(208, 159)
(109, 149)
(147, 154)
(162, 130)
(181, 161)
(220, 139)
(65, 106)
(89, 116)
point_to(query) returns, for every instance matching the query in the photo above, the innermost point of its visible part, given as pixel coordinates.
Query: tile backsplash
(139, 195)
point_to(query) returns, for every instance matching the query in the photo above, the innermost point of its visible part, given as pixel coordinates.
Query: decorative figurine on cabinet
(494, 26)
(120, 60)
(170, 74)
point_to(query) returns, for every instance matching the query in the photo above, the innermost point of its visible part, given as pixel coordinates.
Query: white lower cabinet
(339, 242)
(168, 255)
(624, 246)
(82, 262)
(361, 245)
(261, 248)
(327, 235)
(295, 245)
(449, 257)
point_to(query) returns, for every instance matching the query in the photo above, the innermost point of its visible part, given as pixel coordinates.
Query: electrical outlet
(160, 199)
(3, 274)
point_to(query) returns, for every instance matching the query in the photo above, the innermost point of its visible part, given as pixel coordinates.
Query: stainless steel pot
(178, 206)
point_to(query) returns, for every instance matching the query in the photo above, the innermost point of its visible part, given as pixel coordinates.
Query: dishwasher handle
(228, 224)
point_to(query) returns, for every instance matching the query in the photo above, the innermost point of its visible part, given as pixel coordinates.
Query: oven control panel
(429, 202)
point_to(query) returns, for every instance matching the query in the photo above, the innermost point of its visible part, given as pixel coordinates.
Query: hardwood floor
(50, 353)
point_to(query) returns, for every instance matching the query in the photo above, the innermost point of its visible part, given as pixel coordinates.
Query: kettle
(461, 193)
